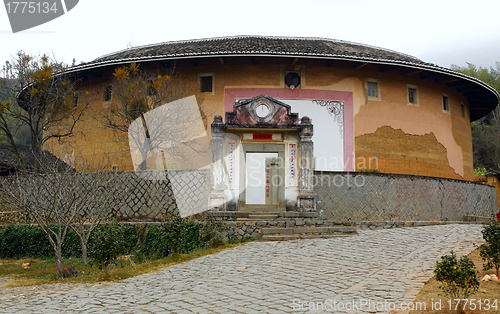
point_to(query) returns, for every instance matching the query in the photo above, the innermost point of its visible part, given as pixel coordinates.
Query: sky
(442, 32)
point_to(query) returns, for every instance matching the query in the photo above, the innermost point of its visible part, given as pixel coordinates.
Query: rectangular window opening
(412, 95)
(446, 106)
(372, 89)
(108, 92)
(206, 84)
(462, 108)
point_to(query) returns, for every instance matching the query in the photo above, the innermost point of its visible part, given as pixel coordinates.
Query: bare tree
(45, 101)
(160, 112)
(98, 192)
(58, 195)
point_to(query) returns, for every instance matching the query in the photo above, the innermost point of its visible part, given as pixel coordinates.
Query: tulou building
(280, 116)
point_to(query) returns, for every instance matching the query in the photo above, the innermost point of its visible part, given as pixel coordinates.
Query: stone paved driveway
(322, 275)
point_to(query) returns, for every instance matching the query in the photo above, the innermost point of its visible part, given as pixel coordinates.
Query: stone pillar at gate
(217, 200)
(305, 200)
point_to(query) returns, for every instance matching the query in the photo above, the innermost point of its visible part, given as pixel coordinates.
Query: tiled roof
(259, 45)
(481, 102)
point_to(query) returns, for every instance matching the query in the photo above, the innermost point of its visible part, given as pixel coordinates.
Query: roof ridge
(208, 39)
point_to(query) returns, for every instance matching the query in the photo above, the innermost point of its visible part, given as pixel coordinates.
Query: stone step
(262, 216)
(310, 230)
(286, 215)
(255, 219)
(284, 237)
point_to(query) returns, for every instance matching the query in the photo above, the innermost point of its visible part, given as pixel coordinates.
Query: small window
(373, 88)
(292, 80)
(206, 84)
(292, 76)
(412, 95)
(446, 105)
(462, 109)
(108, 92)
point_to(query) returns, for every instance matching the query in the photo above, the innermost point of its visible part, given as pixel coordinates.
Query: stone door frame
(261, 148)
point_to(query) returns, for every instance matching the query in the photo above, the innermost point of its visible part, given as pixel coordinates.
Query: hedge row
(179, 235)
(20, 241)
(176, 235)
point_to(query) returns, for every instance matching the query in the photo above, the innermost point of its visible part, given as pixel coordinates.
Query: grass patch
(43, 271)
(488, 290)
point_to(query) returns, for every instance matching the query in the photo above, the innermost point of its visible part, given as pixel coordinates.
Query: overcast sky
(438, 31)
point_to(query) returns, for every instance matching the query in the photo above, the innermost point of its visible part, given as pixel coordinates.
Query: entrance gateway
(261, 159)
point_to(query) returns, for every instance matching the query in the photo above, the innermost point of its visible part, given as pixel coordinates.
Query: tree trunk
(58, 254)
(84, 253)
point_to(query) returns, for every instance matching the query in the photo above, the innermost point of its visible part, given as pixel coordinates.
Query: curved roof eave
(431, 68)
(420, 66)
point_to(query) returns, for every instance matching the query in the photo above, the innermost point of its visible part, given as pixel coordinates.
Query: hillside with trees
(485, 131)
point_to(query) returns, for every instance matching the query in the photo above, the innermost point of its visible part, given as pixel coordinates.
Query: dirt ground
(485, 301)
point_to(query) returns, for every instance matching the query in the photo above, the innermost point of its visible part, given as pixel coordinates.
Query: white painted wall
(328, 133)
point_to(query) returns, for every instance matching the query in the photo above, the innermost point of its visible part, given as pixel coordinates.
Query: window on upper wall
(292, 76)
(373, 88)
(446, 104)
(207, 83)
(462, 109)
(412, 95)
(108, 92)
(292, 80)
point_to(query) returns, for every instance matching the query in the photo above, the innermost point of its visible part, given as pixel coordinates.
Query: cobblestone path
(377, 267)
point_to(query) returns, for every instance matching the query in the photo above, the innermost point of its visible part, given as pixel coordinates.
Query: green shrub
(209, 232)
(105, 245)
(232, 237)
(20, 241)
(153, 245)
(24, 241)
(178, 235)
(71, 246)
(139, 257)
(490, 251)
(108, 241)
(480, 171)
(129, 239)
(458, 277)
(28, 241)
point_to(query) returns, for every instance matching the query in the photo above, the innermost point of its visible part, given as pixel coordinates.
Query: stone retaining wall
(340, 196)
(362, 196)
(142, 197)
